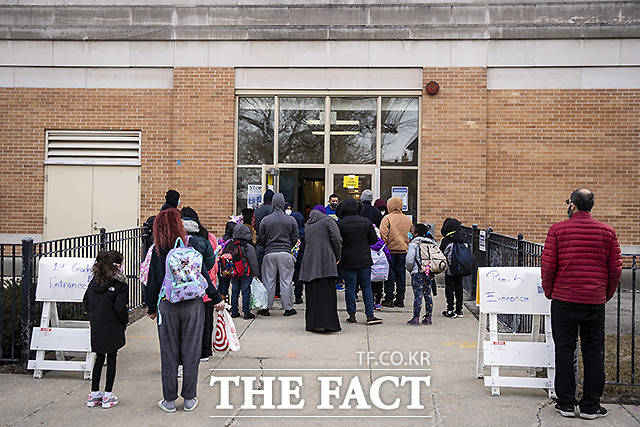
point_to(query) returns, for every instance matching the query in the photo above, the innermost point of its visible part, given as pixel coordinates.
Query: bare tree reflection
(353, 130)
(301, 130)
(255, 131)
(399, 131)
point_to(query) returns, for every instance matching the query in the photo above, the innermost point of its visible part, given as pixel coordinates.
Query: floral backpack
(183, 279)
(144, 267)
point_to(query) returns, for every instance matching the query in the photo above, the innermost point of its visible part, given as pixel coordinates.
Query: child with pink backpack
(381, 258)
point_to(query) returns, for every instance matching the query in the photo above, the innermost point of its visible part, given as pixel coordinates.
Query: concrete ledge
(286, 20)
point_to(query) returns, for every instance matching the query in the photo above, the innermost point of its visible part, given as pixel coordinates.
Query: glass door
(350, 182)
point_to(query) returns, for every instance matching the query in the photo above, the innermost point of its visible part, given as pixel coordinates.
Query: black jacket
(108, 314)
(357, 235)
(199, 243)
(322, 247)
(156, 277)
(451, 233)
(242, 234)
(373, 214)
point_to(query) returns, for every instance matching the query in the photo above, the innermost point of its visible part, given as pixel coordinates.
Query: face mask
(178, 202)
(333, 205)
(410, 235)
(288, 211)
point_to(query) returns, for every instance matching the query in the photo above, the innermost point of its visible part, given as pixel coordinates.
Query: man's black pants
(567, 319)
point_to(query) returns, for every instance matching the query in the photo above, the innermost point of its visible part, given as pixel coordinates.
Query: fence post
(488, 245)
(475, 241)
(25, 309)
(103, 239)
(520, 250)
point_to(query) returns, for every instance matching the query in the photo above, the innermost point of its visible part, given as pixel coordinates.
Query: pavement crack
(539, 411)
(636, 418)
(38, 409)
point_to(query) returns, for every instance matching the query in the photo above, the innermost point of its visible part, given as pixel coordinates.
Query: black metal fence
(491, 249)
(19, 272)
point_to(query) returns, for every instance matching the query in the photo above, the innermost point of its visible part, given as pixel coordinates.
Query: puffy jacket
(581, 261)
(107, 306)
(241, 233)
(357, 235)
(412, 261)
(395, 226)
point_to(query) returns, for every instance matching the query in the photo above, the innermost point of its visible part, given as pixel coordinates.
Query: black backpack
(460, 259)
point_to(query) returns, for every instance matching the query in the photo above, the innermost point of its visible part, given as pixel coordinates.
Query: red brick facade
(501, 158)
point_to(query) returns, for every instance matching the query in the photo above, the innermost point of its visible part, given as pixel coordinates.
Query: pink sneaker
(108, 402)
(93, 401)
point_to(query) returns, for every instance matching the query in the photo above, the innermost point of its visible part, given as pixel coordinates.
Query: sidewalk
(455, 397)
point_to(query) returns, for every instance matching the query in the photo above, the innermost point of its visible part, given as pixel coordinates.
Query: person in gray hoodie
(278, 234)
(421, 282)
(242, 235)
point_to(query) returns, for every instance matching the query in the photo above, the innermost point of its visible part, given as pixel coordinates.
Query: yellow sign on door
(350, 181)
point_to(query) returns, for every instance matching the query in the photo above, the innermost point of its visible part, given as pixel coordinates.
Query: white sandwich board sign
(61, 280)
(514, 290)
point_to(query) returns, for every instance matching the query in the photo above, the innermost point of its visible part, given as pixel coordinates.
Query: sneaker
(204, 359)
(459, 314)
(94, 400)
(426, 320)
(568, 411)
(264, 312)
(108, 402)
(387, 303)
(377, 307)
(277, 297)
(234, 315)
(339, 288)
(373, 320)
(249, 316)
(414, 322)
(298, 301)
(290, 312)
(351, 318)
(399, 303)
(167, 406)
(190, 404)
(449, 314)
(599, 413)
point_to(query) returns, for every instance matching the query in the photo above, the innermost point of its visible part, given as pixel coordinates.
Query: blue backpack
(460, 259)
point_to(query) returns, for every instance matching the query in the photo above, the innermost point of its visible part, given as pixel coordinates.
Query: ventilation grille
(93, 147)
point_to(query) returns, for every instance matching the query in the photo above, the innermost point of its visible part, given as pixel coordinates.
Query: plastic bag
(225, 336)
(259, 299)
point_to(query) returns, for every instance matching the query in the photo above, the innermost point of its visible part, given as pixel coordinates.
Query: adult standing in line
(180, 331)
(394, 229)
(355, 263)
(367, 210)
(199, 240)
(581, 268)
(330, 209)
(171, 200)
(259, 215)
(278, 234)
(319, 271)
(381, 205)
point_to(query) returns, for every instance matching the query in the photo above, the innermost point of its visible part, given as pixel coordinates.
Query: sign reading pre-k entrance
(63, 279)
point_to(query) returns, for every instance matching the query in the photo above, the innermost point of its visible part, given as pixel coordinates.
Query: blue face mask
(410, 235)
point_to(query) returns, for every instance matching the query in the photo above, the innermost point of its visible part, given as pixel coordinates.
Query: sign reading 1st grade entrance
(63, 279)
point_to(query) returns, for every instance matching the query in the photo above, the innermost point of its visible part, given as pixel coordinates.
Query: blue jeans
(397, 278)
(223, 285)
(237, 284)
(361, 277)
(421, 284)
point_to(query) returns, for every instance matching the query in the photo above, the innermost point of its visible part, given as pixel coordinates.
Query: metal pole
(520, 250)
(103, 239)
(27, 279)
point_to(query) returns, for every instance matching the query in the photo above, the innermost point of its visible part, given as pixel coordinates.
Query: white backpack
(431, 258)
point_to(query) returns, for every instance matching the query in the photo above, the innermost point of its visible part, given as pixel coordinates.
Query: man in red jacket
(581, 268)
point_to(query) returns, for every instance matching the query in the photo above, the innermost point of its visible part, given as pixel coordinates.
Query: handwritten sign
(63, 279)
(512, 290)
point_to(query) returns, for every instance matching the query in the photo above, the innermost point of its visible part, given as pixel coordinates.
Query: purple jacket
(379, 245)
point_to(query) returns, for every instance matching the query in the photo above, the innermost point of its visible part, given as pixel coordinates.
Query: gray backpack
(432, 260)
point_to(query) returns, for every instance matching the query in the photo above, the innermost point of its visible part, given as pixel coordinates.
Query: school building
(491, 112)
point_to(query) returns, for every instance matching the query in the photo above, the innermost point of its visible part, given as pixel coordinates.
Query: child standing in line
(421, 282)
(106, 300)
(381, 258)
(242, 238)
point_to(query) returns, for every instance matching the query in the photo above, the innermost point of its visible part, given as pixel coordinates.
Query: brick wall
(543, 144)
(193, 122)
(453, 150)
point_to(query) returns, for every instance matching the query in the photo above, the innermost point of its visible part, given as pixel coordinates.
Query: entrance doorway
(303, 188)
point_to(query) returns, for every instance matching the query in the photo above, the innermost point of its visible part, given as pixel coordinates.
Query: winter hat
(366, 196)
(172, 198)
(320, 208)
(268, 196)
(380, 203)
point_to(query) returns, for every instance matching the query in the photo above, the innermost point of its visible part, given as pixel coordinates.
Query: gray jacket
(413, 253)
(241, 232)
(322, 249)
(278, 231)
